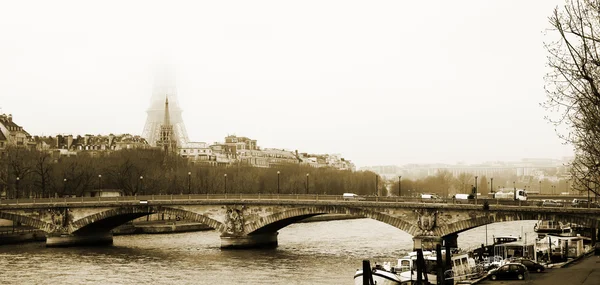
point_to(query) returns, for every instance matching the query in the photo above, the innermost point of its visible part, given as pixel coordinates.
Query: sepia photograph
(300, 142)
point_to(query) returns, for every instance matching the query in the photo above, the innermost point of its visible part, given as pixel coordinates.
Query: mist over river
(308, 253)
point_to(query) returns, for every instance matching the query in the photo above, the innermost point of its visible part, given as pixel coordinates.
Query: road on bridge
(583, 272)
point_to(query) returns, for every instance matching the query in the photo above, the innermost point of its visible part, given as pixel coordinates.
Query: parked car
(509, 271)
(531, 265)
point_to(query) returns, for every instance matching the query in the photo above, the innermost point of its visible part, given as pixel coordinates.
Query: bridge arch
(38, 224)
(110, 219)
(501, 216)
(279, 220)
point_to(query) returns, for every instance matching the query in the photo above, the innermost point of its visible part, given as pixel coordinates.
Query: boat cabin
(514, 249)
(544, 227)
(554, 248)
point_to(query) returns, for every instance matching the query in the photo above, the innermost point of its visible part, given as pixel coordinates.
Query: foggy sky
(380, 82)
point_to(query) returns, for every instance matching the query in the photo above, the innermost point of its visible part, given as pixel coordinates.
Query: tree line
(33, 173)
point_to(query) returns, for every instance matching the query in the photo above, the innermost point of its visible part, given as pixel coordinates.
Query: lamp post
(400, 186)
(492, 189)
(225, 177)
(307, 182)
(100, 184)
(476, 189)
(142, 185)
(189, 182)
(540, 186)
(64, 186)
(278, 181)
(376, 185)
(17, 187)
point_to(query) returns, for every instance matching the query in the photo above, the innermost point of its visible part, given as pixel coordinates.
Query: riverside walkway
(585, 271)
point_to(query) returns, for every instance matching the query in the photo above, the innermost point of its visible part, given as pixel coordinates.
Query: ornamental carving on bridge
(426, 220)
(234, 221)
(60, 218)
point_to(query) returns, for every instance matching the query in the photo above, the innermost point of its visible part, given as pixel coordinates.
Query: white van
(430, 196)
(464, 196)
(352, 196)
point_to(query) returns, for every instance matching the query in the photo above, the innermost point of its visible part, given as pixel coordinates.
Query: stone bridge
(254, 222)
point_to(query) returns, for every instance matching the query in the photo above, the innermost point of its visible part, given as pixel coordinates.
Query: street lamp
(278, 181)
(376, 185)
(64, 185)
(307, 182)
(540, 186)
(475, 189)
(225, 177)
(400, 186)
(142, 185)
(17, 188)
(491, 187)
(100, 184)
(189, 182)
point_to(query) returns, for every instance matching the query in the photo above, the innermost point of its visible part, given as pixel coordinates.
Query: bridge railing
(283, 197)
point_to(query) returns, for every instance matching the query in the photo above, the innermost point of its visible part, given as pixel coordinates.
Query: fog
(385, 82)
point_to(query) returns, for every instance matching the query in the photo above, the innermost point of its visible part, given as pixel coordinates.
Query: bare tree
(572, 89)
(43, 172)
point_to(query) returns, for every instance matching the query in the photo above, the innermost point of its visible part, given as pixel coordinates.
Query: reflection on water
(308, 253)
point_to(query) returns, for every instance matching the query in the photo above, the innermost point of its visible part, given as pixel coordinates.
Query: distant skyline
(381, 83)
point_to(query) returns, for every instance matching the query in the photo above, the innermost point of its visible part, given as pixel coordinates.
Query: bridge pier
(266, 240)
(65, 240)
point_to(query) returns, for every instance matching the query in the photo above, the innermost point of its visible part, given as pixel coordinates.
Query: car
(583, 203)
(511, 270)
(352, 196)
(431, 197)
(551, 203)
(531, 265)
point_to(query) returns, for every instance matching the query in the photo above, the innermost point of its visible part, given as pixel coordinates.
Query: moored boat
(405, 271)
(545, 227)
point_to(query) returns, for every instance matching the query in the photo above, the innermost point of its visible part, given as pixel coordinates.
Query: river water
(308, 253)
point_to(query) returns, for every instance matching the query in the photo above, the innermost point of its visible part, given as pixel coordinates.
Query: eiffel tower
(164, 86)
